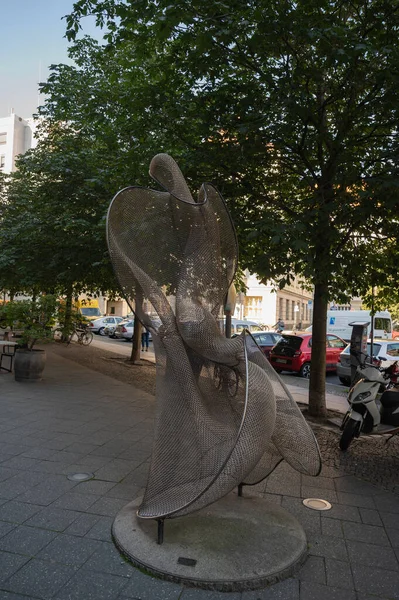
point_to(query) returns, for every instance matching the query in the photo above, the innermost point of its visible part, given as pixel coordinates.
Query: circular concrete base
(235, 544)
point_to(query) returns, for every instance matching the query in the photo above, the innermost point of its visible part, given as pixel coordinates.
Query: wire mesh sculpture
(224, 417)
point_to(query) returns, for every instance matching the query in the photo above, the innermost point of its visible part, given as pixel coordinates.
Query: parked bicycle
(81, 335)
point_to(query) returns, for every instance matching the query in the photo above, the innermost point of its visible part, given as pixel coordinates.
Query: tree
(291, 108)
(52, 229)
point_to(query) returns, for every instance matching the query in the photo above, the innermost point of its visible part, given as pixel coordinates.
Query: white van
(338, 323)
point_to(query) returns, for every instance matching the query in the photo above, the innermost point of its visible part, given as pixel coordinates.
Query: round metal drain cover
(317, 504)
(80, 476)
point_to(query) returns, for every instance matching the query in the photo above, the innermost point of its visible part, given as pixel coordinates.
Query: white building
(16, 137)
(266, 304)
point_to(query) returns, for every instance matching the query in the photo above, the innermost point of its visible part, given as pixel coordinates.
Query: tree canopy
(290, 108)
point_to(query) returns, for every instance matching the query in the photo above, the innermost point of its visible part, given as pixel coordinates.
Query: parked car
(99, 325)
(385, 352)
(293, 353)
(124, 330)
(266, 340)
(237, 326)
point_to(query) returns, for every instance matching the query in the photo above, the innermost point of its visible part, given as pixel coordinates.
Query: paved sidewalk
(55, 539)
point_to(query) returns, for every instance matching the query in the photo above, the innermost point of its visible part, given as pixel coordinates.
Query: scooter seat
(390, 398)
(390, 407)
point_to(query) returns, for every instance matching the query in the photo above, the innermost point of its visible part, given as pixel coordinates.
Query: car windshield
(376, 349)
(293, 341)
(90, 312)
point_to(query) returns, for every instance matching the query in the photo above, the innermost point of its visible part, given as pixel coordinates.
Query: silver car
(386, 351)
(124, 330)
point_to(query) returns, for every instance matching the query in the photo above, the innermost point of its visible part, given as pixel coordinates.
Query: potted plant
(33, 320)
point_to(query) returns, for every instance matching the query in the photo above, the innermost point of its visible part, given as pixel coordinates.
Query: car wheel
(305, 370)
(344, 380)
(101, 331)
(278, 370)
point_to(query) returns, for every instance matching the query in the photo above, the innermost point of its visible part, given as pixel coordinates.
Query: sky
(32, 38)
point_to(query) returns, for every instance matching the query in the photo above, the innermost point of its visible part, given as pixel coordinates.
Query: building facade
(16, 137)
(266, 304)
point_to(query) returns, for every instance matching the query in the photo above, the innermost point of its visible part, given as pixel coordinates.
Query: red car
(293, 353)
(266, 340)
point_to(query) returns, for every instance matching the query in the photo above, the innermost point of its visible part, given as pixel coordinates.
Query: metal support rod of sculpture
(224, 417)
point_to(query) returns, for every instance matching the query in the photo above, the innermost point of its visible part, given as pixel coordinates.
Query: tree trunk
(317, 384)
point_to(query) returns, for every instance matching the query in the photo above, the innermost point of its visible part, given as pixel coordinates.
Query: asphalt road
(332, 381)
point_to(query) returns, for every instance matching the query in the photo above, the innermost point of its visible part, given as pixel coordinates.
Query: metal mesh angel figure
(224, 417)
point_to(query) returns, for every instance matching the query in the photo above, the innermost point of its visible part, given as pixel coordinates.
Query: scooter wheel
(349, 432)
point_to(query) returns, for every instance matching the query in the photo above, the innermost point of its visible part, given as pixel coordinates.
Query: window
(380, 323)
(112, 310)
(393, 349)
(335, 342)
(3, 138)
(2, 161)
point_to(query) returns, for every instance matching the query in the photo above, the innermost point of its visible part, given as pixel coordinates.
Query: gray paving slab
(55, 535)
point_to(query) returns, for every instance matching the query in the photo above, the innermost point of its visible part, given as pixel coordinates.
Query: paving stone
(10, 489)
(6, 528)
(373, 555)
(315, 591)
(309, 519)
(95, 487)
(10, 563)
(393, 535)
(332, 527)
(89, 585)
(195, 594)
(56, 519)
(320, 482)
(339, 574)
(109, 560)
(115, 470)
(26, 540)
(82, 525)
(365, 533)
(125, 491)
(145, 587)
(370, 516)
(390, 520)
(44, 494)
(313, 570)
(39, 579)
(107, 506)
(343, 512)
(356, 500)
(70, 550)
(316, 492)
(387, 503)
(372, 580)
(10, 596)
(6, 473)
(74, 501)
(329, 547)
(283, 590)
(18, 512)
(102, 529)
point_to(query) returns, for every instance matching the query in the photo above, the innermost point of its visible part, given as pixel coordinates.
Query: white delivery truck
(338, 323)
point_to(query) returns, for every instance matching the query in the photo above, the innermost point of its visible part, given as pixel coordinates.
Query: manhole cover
(317, 504)
(80, 476)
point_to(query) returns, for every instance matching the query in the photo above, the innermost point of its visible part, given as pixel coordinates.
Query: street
(125, 348)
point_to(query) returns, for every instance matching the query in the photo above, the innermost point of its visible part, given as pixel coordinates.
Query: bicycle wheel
(86, 338)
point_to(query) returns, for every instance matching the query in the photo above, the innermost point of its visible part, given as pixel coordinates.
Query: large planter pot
(29, 365)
